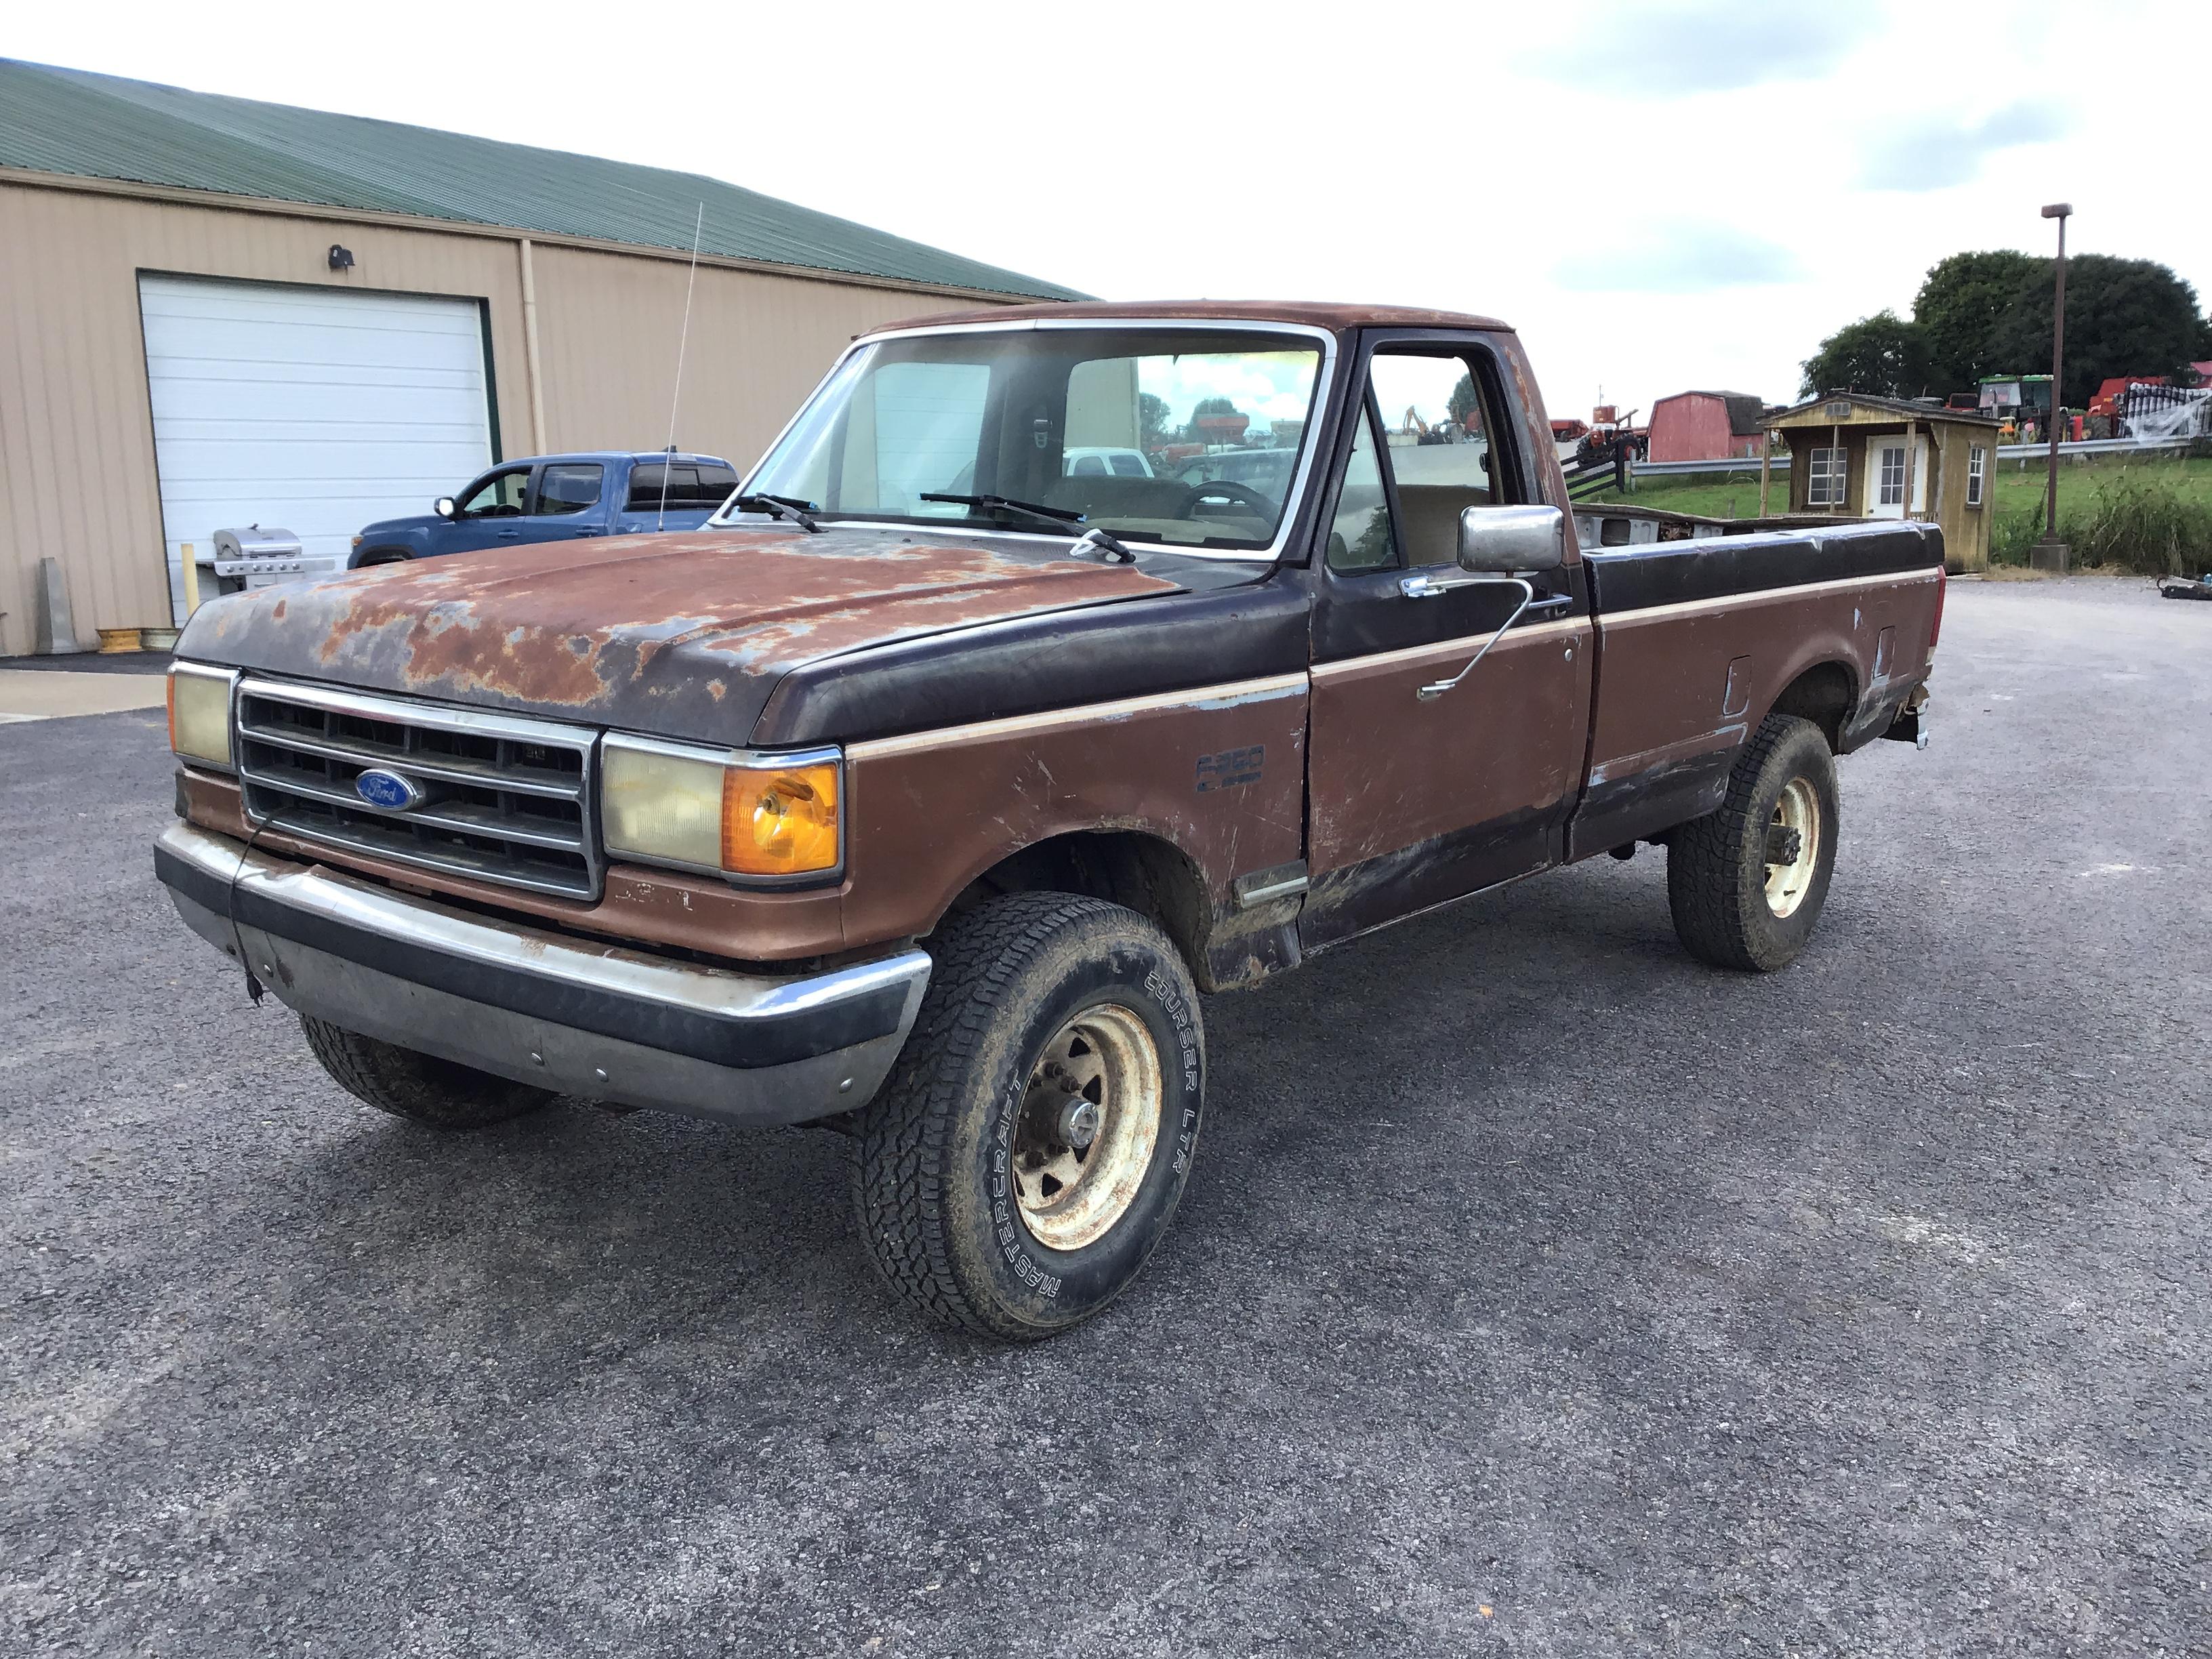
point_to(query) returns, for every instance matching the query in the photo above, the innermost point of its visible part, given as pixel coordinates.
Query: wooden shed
(1884, 458)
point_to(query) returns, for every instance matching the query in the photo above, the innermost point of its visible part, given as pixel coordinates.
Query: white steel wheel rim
(1070, 1196)
(1799, 808)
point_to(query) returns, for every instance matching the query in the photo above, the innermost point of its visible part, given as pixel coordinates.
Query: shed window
(1977, 458)
(1830, 470)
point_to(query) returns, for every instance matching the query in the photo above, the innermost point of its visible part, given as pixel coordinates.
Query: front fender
(379, 542)
(1217, 773)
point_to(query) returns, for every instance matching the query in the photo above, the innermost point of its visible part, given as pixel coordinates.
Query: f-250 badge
(1230, 767)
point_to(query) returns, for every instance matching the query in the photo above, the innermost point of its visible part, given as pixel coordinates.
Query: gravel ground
(1538, 1291)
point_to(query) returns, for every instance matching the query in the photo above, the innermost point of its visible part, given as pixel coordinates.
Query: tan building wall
(608, 326)
(77, 477)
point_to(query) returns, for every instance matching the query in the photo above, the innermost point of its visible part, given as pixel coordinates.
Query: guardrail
(2005, 452)
(1737, 465)
(2089, 447)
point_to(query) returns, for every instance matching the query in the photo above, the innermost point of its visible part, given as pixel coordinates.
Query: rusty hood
(679, 635)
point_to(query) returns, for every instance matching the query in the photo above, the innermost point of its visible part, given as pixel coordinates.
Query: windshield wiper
(781, 507)
(1059, 517)
(1052, 515)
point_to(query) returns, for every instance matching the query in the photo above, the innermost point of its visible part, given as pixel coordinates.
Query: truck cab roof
(1335, 317)
(635, 457)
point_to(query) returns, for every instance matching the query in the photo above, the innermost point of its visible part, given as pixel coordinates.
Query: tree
(1207, 406)
(1153, 413)
(1959, 307)
(2122, 317)
(1884, 354)
(1463, 403)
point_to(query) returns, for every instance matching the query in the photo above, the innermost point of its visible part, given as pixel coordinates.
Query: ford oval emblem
(388, 790)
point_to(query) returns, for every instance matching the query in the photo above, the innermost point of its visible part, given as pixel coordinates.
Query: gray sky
(1660, 196)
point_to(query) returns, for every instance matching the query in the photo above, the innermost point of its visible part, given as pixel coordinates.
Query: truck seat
(1431, 526)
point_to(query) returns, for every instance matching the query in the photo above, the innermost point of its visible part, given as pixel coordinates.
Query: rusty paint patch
(684, 633)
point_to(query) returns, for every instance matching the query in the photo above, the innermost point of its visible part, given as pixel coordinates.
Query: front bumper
(594, 1021)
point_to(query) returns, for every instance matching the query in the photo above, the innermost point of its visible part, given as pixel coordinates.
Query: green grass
(2150, 513)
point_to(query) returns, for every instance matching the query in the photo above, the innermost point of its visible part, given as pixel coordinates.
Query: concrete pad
(29, 694)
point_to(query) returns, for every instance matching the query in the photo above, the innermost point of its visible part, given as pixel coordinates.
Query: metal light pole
(2050, 554)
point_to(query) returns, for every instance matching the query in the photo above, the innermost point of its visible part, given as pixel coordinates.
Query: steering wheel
(1227, 489)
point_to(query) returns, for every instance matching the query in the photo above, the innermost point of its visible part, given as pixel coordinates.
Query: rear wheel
(1025, 1158)
(1746, 882)
(441, 1093)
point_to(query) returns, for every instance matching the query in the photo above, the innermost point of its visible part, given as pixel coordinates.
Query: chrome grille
(503, 799)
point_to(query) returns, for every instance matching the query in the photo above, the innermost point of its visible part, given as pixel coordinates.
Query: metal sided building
(216, 312)
(1707, 426)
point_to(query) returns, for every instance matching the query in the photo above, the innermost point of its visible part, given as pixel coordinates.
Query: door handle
(1428, 587)
(510, 535)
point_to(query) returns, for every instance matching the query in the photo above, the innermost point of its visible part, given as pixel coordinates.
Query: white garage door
(312, 410)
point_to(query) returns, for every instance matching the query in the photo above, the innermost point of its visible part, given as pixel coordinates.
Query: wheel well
(383, 555)
(1822, 694)
(1148, 874)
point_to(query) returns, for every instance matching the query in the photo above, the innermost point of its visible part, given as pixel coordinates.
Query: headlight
(199, 712)
(717, 809)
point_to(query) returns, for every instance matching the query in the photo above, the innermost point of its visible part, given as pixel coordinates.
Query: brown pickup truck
(1056, 666)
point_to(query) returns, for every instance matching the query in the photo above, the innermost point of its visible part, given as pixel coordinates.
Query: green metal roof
(96, 126)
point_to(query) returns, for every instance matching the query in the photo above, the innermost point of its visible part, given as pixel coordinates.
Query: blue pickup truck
(556, 498)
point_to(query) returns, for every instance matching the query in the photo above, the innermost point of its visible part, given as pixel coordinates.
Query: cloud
(1681, 256)
(1703, 45)
(1935, 153)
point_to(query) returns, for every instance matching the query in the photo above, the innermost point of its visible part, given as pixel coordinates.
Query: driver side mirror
(443, 506)
(1507, 540)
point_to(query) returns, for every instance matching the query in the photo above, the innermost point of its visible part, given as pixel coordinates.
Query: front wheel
(440, 1093)
(1747, 881)
(1025, 1158)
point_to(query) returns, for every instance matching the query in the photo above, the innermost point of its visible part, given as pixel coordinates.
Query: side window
(1437, 433)
(652, 481)
(686, 485)
(1359, 537)
(499, 496)
(569, 487)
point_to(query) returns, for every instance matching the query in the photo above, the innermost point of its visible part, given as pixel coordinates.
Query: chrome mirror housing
(1501, 540)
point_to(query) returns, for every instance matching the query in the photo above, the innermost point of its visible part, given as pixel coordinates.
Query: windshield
(1186, 437)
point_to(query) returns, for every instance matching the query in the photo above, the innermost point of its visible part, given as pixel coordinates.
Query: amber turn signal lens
(779, 821)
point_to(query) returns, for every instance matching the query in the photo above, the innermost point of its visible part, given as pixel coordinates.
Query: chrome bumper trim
(595, 1021)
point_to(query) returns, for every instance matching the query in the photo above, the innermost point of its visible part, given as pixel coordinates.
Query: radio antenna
(683, 340)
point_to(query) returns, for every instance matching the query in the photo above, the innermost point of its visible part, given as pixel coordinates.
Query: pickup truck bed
(927, 812)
